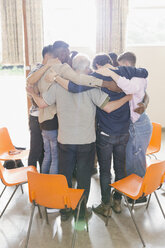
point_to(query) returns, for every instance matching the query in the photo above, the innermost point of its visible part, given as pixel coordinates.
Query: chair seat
(75, 195)
(130, 186)
(21, 155)
(16, 176)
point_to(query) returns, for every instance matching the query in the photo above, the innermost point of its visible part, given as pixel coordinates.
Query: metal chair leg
(22, 189)
(30, 224)
(3, 191)
(86, 216)
(39, 210)
(154, 156)
(125, 197)
(107, 219)
(148, 201)
(159, 204)
(9, 201)
(47, 220)
(132, 207)
(77, 217)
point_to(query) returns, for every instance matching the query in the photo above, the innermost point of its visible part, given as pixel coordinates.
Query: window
(72, 21)
(146, 22)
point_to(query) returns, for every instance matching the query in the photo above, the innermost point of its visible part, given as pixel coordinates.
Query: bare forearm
(113, 105)
(111, 85)
(34, 77)
(63, 82)
(39, 101)
(114, 75)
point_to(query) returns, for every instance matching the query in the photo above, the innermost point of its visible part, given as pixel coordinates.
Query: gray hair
(80, 62)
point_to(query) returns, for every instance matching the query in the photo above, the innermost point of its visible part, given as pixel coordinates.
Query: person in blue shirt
(112, 133)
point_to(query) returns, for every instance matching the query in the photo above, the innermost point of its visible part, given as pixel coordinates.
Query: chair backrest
(155, 141)
(153, 178)
(48, 190)
(5, 141)
(1, 171)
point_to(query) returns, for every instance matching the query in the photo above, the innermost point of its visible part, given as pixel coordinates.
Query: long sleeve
(133, 85)
(68, 73)
(75, 88)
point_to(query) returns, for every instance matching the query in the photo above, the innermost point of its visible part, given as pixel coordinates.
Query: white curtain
(34, 30)
(12, 31)
(111, 25)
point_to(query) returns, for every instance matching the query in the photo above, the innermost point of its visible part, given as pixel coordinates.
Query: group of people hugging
(78, 112)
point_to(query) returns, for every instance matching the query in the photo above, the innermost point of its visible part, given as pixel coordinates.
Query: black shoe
(139, 202)
(65, 214)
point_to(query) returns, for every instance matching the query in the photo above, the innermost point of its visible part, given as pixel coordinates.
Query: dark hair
(47, 49)
(59, 43)
(101, 59)
(113, 56)
(128, 56)
(61, 51)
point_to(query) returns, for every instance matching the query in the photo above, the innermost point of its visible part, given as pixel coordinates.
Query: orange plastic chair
(134, 187)
(51, 191)
(14, 177)
(155, 141)
(7, 149)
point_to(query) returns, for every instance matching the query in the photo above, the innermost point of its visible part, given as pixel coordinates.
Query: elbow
(41, 106)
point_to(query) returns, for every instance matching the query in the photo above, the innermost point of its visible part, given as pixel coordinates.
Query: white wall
(153, 59)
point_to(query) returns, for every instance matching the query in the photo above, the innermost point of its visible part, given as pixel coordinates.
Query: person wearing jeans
(50, 161)
(108, 145)
(140, 129)
(112, 133)
(76, 133)
(140, 134)
(36, 153)
(83, 157)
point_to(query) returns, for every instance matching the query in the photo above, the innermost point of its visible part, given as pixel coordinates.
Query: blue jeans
(79, 156)
(106, 147)
(50, 162)
(140, 134)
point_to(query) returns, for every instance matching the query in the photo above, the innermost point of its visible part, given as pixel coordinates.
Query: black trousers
(36, 142)
(79, 156)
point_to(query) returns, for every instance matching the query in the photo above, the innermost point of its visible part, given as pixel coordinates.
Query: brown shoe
(103, 209)
(116, 206)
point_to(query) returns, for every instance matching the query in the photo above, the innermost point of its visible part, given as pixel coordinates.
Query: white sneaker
(52, 210)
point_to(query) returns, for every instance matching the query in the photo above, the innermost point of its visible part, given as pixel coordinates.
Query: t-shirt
(76, 113)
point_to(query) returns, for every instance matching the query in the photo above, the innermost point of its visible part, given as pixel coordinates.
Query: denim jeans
(106, 147)
(79, 156)
(140, 134)
(50, 162)
(36, 142)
